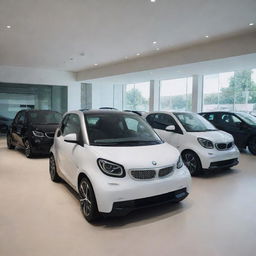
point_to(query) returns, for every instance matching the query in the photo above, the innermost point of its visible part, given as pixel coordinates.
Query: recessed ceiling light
(206, 36)
(152, 1)
(95, 64)
(8, 26)
(251, 24)
(157, 49)
(138, 54)
(155, 42)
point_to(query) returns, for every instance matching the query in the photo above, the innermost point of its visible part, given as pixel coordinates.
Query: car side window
(72, 125)
(229, 119)
(21, 118)
(163, 120)
(63, 123)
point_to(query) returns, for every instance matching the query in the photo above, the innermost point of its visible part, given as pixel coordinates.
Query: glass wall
(176, 94)
(137, 96)
(233, 91)
(14, 97)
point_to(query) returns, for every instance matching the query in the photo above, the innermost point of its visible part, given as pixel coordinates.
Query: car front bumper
(214, 159)
(41, 145)
(130, 194)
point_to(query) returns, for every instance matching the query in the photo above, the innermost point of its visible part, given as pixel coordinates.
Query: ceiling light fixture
(152, 1)
(155, 42)
(138, 54)
(251, 24)
(206, 36)
(95, 64)
(157, 49)
(8, 26)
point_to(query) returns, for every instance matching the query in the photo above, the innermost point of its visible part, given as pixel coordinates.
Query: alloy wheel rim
(253, 144)
(27, 148)
(8, 141)
(85, 200)
(190, 162)
(52, 167)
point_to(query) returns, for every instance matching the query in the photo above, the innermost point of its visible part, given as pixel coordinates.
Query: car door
(234, 125)
(18, 128)
(67, 150)
(159, 122)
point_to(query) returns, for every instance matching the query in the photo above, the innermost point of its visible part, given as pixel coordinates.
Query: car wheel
(87, 200)
(252, 145)
(192, 161)
(9, 142)
(28, 149)
(53, 170)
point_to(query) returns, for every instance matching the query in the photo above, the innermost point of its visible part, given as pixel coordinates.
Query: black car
(33, 130)
(240, 124)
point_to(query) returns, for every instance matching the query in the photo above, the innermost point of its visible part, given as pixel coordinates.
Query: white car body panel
(188, 140)
(73, 159)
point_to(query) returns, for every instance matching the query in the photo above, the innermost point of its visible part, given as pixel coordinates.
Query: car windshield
(44, 117)
(119, 129)
(249, 119)
(194, 123)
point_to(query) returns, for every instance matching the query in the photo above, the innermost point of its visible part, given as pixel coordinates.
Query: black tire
(9, 142)
(252, 145)
(192, 161)
(28, 149)
(87, 200)
(53, 170)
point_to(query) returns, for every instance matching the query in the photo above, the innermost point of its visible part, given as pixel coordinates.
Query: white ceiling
(47, 33)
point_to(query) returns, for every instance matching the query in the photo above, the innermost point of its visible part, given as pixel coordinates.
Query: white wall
(102, 95)
(44, 77)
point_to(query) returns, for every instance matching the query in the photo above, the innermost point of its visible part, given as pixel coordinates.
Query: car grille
(50, 134)
(143, 174)
(224, 163)
(224, 146)
(165, 171)
(148, 174)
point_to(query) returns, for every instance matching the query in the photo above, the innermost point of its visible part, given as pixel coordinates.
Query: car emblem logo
(153, 162)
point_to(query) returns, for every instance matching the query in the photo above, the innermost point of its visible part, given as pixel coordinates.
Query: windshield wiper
(131, 142)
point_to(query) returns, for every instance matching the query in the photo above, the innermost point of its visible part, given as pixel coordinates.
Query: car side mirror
(170, 128)
(71, 138)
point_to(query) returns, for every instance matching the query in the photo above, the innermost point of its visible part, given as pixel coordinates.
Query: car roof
(170, 112)
(105, 111)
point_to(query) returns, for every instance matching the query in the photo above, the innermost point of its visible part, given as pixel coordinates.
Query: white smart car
(201, 145)
(115, 161)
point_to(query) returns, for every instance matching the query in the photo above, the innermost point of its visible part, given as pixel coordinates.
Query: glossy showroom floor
(38, 217)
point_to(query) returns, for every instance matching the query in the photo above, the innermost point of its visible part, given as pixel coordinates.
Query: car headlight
(179, 163)
(111, 169)
(38, 134)
(205, 143)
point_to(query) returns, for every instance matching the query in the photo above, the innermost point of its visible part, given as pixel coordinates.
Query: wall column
(197, 93)
(154, 95)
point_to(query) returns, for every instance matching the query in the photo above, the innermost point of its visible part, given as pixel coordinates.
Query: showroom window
(232, 91)
(176, 94)
(15, 97)
(137, 96)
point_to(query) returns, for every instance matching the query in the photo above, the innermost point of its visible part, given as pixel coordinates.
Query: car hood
(45, 127)
(139, 156)
(214, 136)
